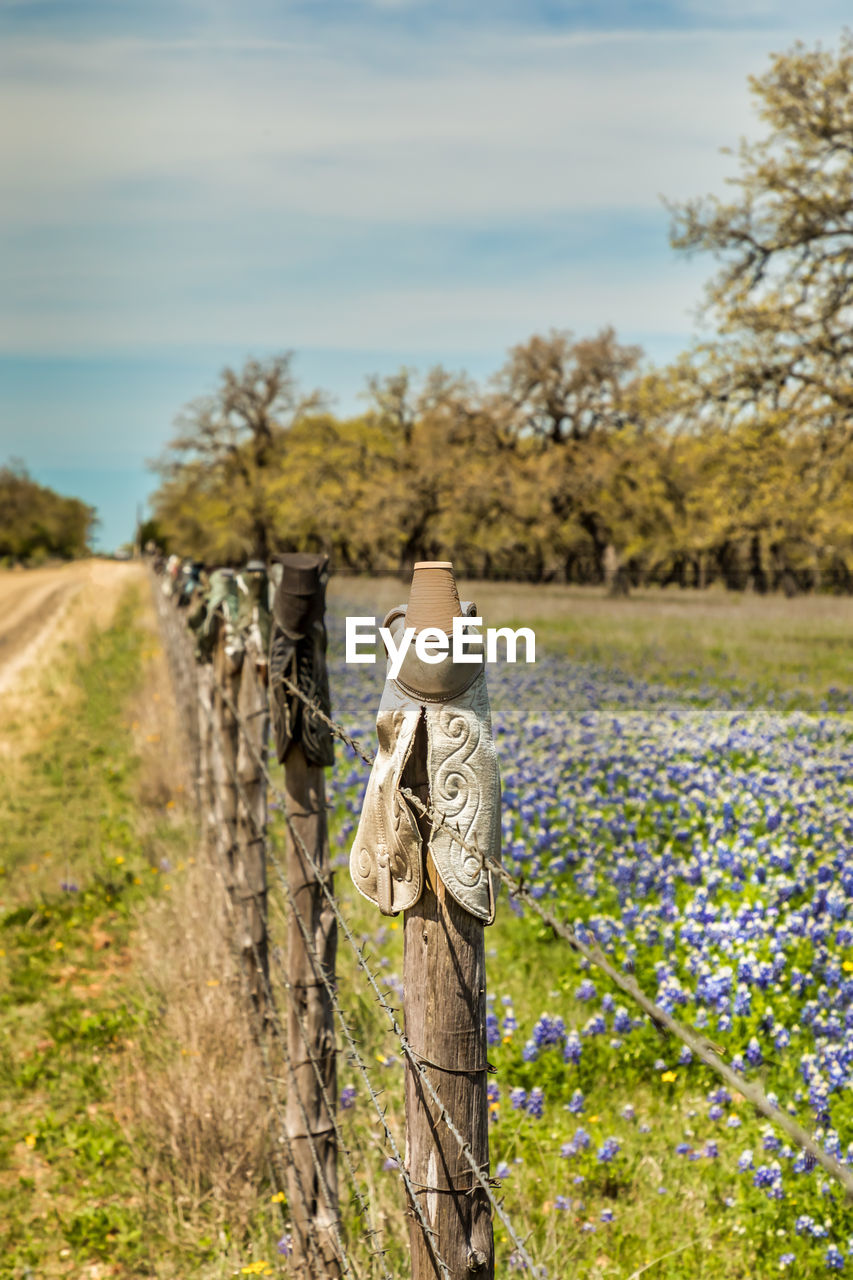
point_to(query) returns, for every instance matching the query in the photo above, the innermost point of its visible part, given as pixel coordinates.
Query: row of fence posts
(250, 666)
(254, 633)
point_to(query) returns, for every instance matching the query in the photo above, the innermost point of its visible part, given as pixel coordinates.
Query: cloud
(159, 189)
(520, 127)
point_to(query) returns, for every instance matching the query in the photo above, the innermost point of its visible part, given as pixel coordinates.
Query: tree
(570, 397)
(36, 523)
(333, 495)
(783, 298)
(782, 365)
(427, 426)
(233, 443)
(560, 390)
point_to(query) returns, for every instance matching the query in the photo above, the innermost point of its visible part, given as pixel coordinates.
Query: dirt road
(37, 606)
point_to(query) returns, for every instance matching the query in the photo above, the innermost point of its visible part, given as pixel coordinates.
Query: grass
(674, 1217)
(131, 1128)
(798, 653)
(703, 1236)
(132, 1122)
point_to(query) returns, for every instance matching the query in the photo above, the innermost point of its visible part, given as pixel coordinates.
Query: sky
(367, 183)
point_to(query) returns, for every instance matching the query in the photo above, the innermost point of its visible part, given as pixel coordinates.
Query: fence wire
(179, 648)
(362, 1206)
(273, 1023)
(661, 1019)
(411, 1055)
(665, 1023)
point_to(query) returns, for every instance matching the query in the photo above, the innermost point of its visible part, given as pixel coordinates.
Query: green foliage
(575, 463)
(36, 523)
(784, 293)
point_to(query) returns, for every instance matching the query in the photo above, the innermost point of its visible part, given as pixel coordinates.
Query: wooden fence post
(444, 979)
(224, 746)
(304, 747)
(444, 982)
(250, 870)
(429, 826)
(206, 752)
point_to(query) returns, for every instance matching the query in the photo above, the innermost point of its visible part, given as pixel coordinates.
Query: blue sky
(367, 184)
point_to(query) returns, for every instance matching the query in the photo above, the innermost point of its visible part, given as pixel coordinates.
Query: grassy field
(699, 832)
(131, 1125)
(667, 791)
(799, 651)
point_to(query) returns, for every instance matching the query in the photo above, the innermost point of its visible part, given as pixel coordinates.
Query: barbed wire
(362, 1206)
(416, 1062)
(361, 1065)
(273, 1023)
(319, 968)
(361, 1203)
(411, 1054)
(400, 1164)
(664, 1021)
(280, 1034)
(661, 1019)
(360, 1061)
(177, 639)
(347, 1262)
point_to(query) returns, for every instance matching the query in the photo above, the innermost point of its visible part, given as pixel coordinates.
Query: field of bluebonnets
(702, 835)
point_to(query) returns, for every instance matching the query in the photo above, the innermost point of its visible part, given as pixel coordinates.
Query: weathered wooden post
(304, 746)
(223, 606)
(250, 865)
(202, 627)
(205, 785)
(435, 740)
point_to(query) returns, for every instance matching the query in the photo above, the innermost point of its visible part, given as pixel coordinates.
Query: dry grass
(129, 1062)
(190, 1090)
(191, 1095)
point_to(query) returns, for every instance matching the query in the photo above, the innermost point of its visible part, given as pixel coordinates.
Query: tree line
(37, 524)
(577, 461)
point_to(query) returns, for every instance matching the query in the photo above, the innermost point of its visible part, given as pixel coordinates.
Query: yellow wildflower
(668, 1076)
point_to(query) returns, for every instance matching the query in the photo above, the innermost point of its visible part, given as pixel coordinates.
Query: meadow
(132, 1135)
(666, 791)
(677, 783)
